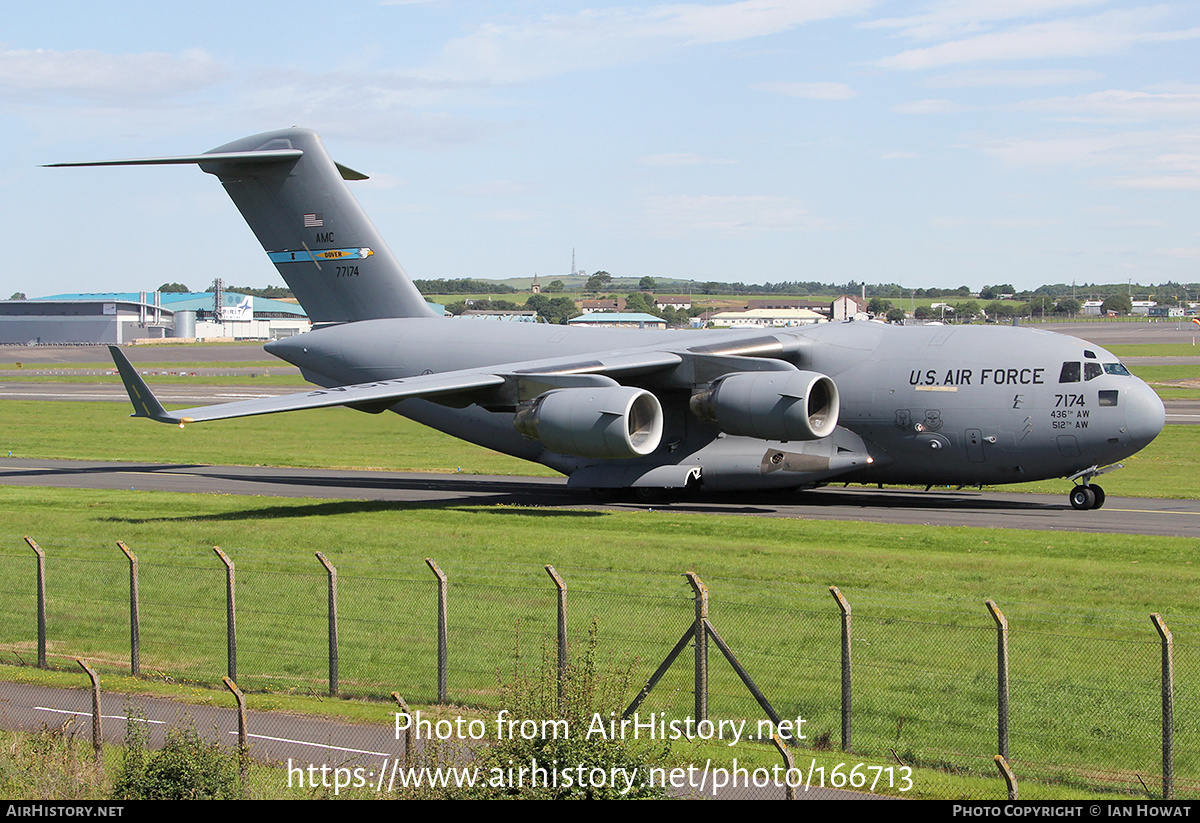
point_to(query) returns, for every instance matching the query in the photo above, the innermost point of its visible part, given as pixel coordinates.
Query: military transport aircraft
(645, 411)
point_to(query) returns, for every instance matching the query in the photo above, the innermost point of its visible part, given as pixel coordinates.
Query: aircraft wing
(521, 380)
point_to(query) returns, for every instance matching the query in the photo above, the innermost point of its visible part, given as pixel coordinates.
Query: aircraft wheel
(649, 494)
(607, 495)
(1082, 497)
(1099, 492)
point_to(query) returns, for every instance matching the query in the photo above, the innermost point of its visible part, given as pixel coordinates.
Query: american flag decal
(314, 221)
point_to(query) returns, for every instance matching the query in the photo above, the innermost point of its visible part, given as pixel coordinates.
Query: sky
(956, 142)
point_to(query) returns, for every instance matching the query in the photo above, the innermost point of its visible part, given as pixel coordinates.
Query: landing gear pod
(775, 405)
(610, 422)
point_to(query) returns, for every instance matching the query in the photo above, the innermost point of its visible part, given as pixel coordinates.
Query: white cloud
(692, 214)
(1012, 78)
(494, 189)
(1158, 183)
(811, 91)
(994, 222)
(108, 78)
(1154, 159)
(1078, 150)
(1121, 105)
(1105, 33)
(956, 18)
(929, 107)
(683, 159)
(554, 44)
(383, 106)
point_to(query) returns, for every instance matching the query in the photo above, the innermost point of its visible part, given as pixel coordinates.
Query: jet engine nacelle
(773, 405)
(608, 422)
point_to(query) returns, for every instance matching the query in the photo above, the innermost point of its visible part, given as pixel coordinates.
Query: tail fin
(295, 199)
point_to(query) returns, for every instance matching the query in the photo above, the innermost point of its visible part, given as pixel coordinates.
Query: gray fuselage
(922, 404)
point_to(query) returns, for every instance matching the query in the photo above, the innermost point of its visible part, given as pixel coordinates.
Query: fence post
(97, 738)
(230, 616)
(409, 740)
(333, 625)
(243, 744)
(442, 653)
(1001, 677)
(41, 600)
(844, 605)
(135, 637)
(1168, 705)
(701, 635)
(789, 764)
(1006, 772)
(562, 629)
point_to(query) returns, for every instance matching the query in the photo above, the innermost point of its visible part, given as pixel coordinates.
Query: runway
(1120, 515)
(946, 508)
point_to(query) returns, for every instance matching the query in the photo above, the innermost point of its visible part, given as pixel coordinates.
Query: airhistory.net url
(702, 779)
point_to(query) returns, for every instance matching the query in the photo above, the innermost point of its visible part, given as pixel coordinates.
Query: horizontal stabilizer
(268, 156)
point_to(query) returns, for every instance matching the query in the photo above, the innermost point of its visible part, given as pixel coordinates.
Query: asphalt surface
(272, 738)
(1120, 515)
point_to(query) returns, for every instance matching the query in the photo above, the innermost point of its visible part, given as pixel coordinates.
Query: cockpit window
(1091, 371)
(1069, 373)
(1116, 368)
(1088, 353)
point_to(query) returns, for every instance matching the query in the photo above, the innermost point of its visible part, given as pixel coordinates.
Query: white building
(766, 318)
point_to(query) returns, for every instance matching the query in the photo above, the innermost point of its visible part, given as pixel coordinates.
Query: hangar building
(121, 317)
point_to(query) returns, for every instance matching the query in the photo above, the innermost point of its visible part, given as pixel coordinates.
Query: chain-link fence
(1074, 700)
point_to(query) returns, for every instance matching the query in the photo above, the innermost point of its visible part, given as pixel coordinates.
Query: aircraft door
(974, 440)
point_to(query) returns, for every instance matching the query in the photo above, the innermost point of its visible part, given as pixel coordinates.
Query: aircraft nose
(1144, 414)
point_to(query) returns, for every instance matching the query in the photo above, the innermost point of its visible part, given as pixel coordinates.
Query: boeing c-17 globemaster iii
(643, 411)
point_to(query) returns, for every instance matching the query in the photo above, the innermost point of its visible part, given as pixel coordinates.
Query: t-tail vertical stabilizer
(297, 203)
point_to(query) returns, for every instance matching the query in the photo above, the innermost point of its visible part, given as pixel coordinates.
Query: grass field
(1157, 349)
(105, 365)
(330, 438)
(294, 381)
(1085, 658)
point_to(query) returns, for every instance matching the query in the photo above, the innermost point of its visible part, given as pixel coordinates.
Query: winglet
(145, 404)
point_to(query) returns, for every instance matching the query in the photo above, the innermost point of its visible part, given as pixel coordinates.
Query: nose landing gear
(1087, 495)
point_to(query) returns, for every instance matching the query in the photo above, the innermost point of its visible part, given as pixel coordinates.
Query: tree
(895, 315)
(17, 295)
(922, 312)
(174, 288)
(878, 306)
(967, 310)
(637, 302)
(1067, 306)
(1118, 303)
(555, 310)
(647, 284)
(598, 281)
(555, 287)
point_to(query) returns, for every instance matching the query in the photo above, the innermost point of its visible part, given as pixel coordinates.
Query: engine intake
(775, 405)
(609, 422)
